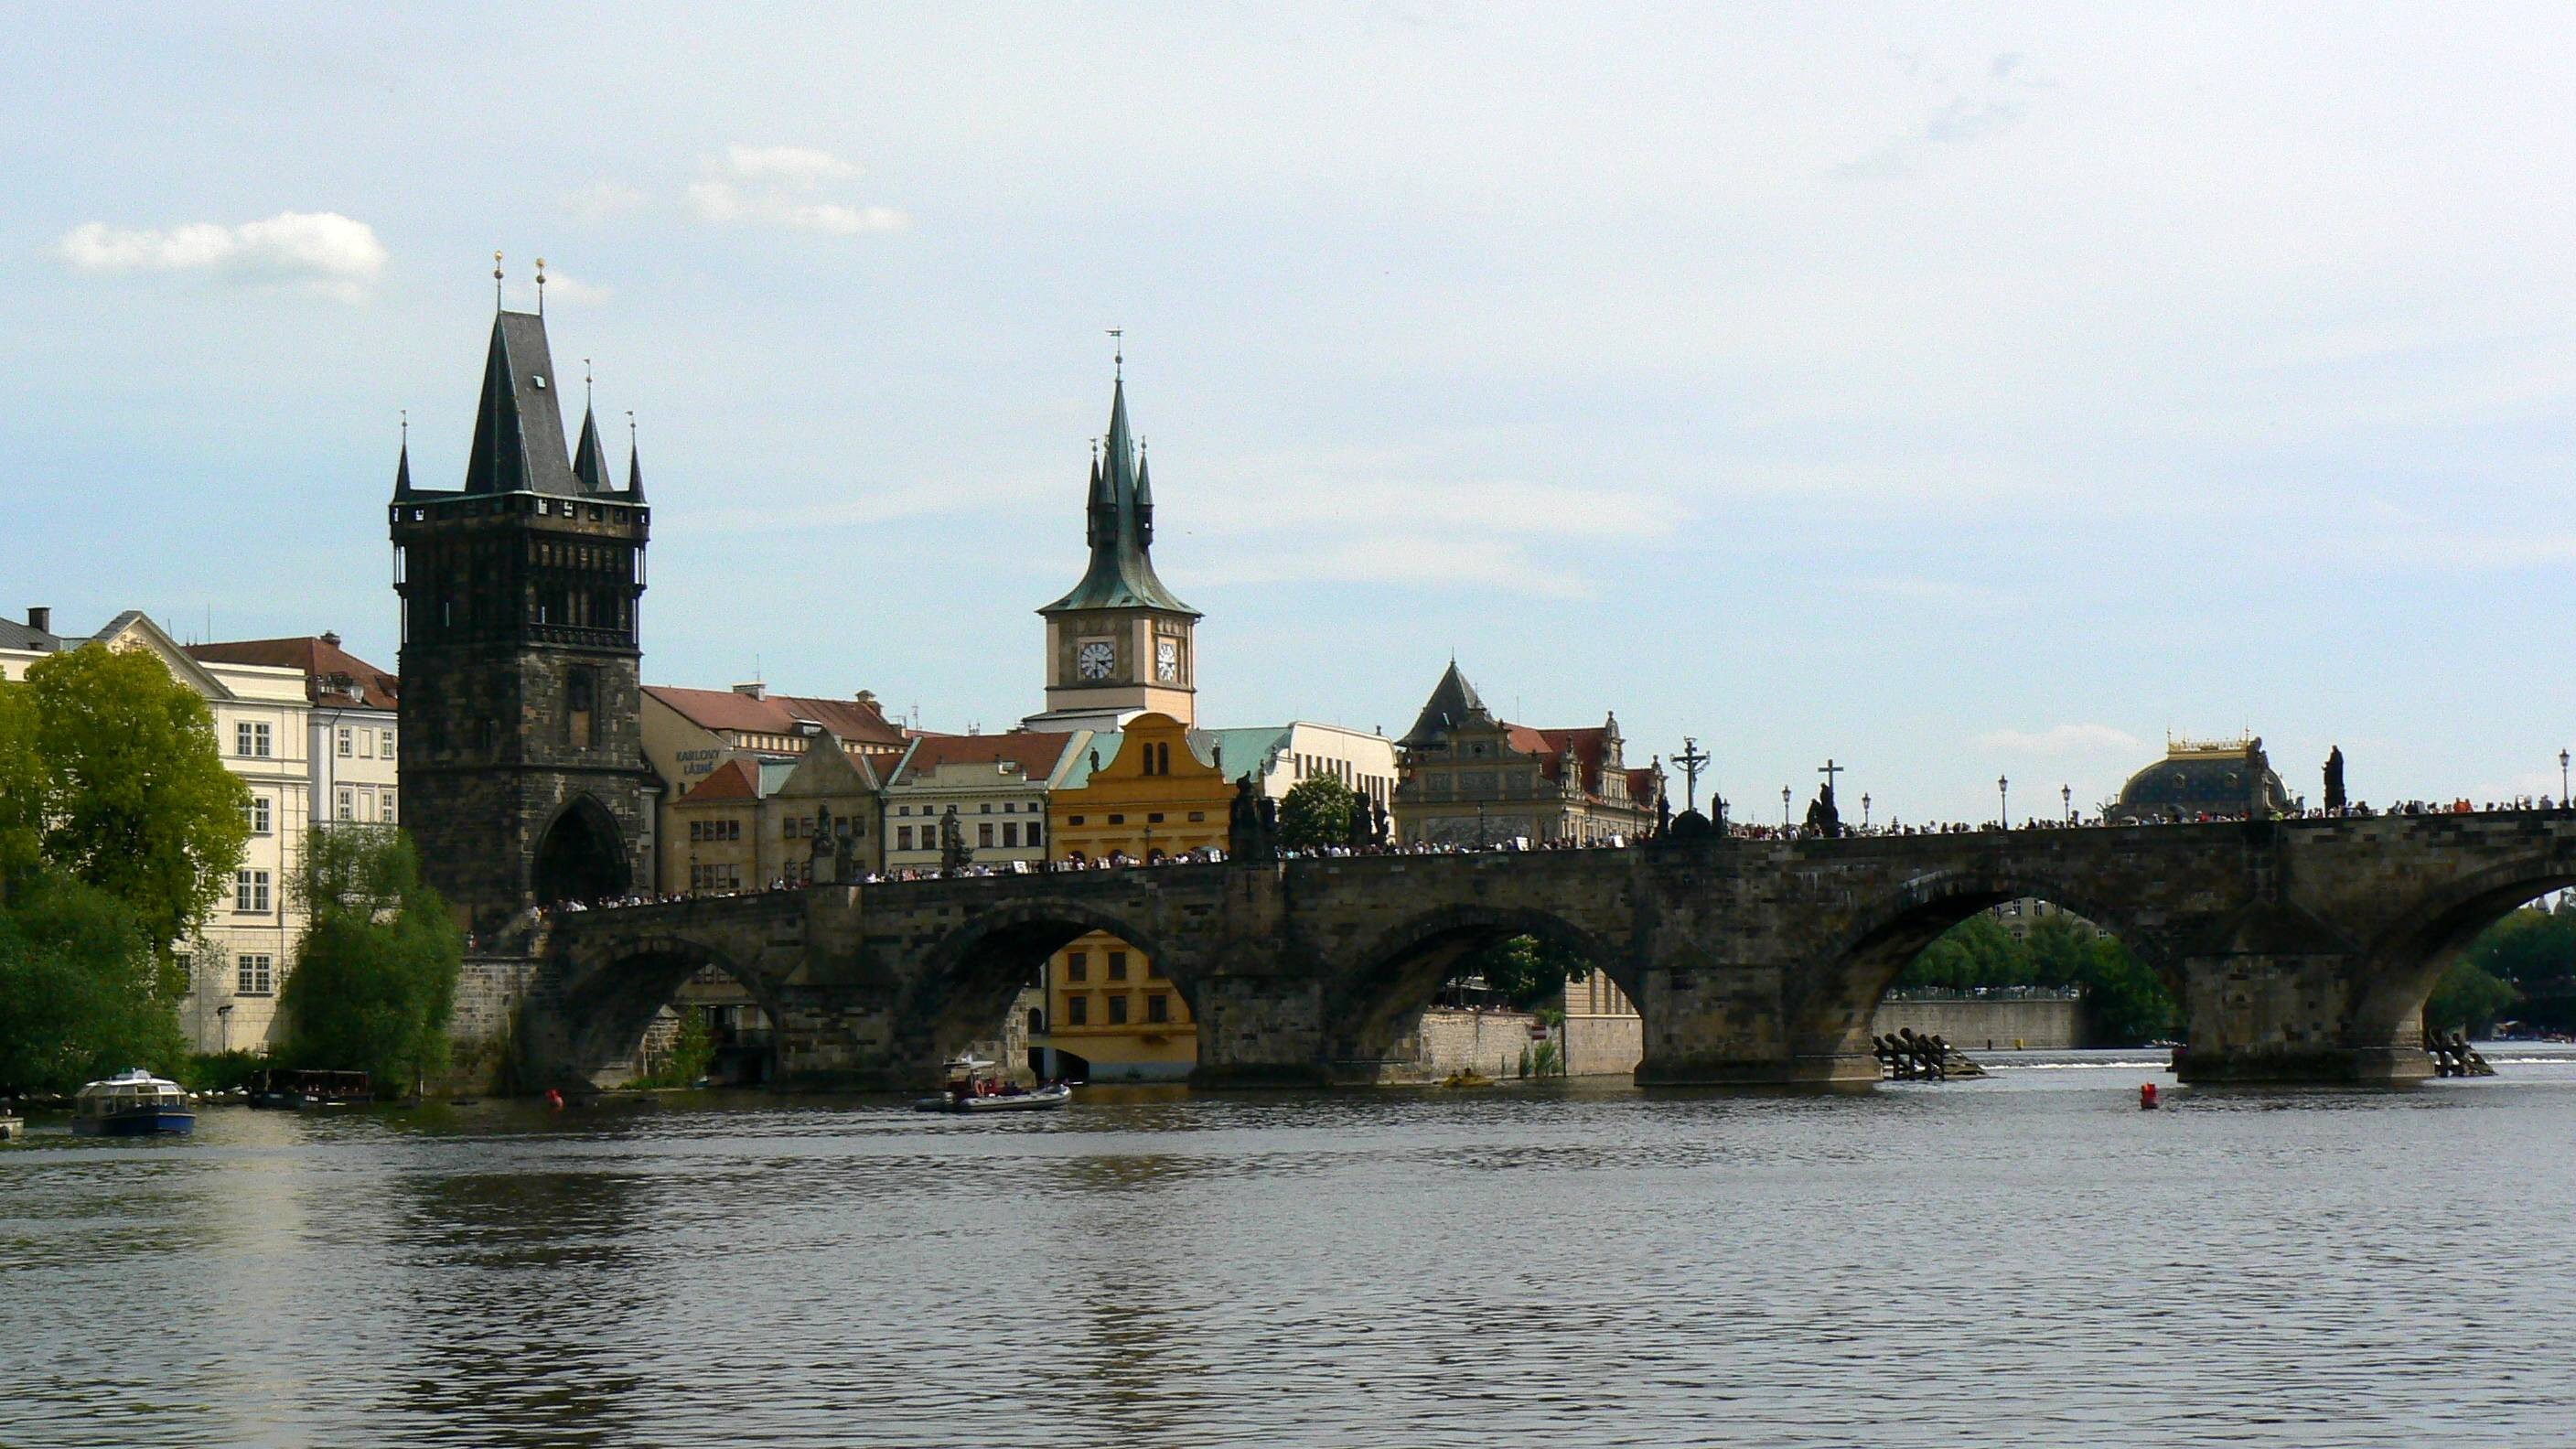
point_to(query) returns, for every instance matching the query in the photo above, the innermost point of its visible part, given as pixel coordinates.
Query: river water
(2029, 1260)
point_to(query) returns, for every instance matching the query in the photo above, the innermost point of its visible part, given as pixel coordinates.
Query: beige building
(1471, 779)
(754, 823)
(352, 742)
(689, 734)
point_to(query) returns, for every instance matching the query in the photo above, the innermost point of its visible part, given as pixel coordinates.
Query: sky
(1953, 392)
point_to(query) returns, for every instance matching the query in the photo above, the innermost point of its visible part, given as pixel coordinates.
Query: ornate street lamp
(1784, 807)
(1864, 810)
(2003, 800)
(2066, 794)
(2562, 779)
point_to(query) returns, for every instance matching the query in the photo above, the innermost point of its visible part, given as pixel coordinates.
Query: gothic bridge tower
(1120, 643)
(523, 774)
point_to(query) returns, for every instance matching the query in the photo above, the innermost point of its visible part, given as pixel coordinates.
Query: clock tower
(1120, 643)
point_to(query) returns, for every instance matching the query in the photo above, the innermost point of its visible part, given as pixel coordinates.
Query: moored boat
(975, 1086)
(132, 1104)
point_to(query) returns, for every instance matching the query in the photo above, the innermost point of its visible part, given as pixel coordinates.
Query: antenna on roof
(541, 289)
(496, 281)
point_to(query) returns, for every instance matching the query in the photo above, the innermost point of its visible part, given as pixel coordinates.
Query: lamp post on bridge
(1864, 809)
(2003, 801)
(2562, 780)
(1784, 807)
(2066, 796)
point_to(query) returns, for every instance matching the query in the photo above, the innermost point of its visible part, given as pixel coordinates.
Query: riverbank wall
(1986, 1023)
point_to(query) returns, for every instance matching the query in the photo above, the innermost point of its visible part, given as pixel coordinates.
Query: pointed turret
(634, 472)
(1144, 502)
(518, 430)
(590, 460)
(1120, 515)
(402, 470)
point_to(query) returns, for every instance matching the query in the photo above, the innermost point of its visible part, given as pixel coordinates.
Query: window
(1010, 834)
(348, 742)
(697, 831)
(250, 891)
(385, 744)
(344, 805)
(1118, 1009)
(1077, 965)
(1073, 820)
(1077, 1011)
(255, 814)
(1034, 841)
(1197, 816)
(581, 699)
(1156, 818)
(984, 836)
(987, 810)
(1117, 965)
(1117, 820)
(903, 837)
(250, 741)
(1158, 1007)
(254, 975)
(787, 828)
(385, 807)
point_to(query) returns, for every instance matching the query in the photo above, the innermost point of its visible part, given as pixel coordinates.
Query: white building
(996, 785)
(1281, 757)
(352, 741)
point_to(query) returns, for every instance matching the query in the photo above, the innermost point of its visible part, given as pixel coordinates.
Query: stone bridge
(2301, 950)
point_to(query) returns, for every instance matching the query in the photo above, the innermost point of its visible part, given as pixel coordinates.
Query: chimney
(41, 620)
(755, 689)
(331, 639)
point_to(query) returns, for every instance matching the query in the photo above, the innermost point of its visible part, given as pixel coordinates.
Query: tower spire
(634, 461)
(402, 463)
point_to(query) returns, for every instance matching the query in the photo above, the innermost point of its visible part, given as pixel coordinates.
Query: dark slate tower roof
(518, 431)
(1119, 524)
(590, 460)
(402, 469)
(1453, 703)
(634, 473)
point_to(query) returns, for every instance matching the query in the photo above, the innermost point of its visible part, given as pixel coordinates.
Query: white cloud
(776, 186)
(320, 250)
(2065, 739)
(800, 166)
(601, 200)
(1991, 98)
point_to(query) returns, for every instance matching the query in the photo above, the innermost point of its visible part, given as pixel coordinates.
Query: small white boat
(12, 1128)
(132, 1104)
(974, 1086)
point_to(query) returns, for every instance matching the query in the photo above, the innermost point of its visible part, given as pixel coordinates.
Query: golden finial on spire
(1118, 353)
(541, 286)
(496, 281)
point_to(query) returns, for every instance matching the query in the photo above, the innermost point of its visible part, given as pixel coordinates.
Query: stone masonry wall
(1486, 1041)
(1604, 1046)
(1987, 1025)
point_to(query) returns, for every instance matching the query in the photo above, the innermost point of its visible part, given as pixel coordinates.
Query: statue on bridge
(1251, 824)
(1381, 826)
(2335, 801)
(954, 855)
(1823, 818)
(820, 860)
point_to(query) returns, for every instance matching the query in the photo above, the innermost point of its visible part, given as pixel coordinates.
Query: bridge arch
(2402, 966)
(972, 973)
(614, 988)
(1380, 997)
(1830, 1007)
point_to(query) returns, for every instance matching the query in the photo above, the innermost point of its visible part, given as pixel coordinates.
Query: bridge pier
(2283, 1002)
(1723, 1025)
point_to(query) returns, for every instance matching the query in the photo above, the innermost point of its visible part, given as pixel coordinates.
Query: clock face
(1167, 660)
(1095, 658)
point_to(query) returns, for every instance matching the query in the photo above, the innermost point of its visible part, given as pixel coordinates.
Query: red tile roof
(1034, 751)
(859, 724)
(332, 675)
(731, 780)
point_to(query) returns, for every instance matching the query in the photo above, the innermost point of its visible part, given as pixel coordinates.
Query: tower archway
(581, 857)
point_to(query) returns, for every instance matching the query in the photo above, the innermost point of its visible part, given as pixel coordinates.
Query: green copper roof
(1239, 752)
(1120, 529)
(1103, 748)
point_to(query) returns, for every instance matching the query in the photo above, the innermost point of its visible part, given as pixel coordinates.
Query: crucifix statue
(1829, 770)
(1692, 760)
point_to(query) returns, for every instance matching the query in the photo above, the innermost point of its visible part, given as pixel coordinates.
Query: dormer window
(539, 379)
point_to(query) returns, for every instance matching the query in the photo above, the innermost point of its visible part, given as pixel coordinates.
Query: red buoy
(554, 1098)
(2146, 1096)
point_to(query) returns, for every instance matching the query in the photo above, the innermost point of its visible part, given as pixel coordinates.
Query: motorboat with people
(280, 1087)
(132, 1104)
(976, 1085)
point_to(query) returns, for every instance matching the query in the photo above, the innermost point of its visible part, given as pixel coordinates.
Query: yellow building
(1149, 793)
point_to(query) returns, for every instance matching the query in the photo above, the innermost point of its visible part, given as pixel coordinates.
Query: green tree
(80, 989)
(2468, 998)
(2125, 1002)
(1528, 971)
(22, 787)
(693, 1051)
(1316, 813)
(375, 976)
(135, 797)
